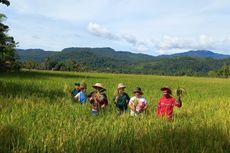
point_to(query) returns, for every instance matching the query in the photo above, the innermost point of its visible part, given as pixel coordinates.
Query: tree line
(175, 67)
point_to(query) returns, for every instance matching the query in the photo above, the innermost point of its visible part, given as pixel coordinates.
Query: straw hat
(138, 90)
(167, 88)
(98, 85)
(120, 85)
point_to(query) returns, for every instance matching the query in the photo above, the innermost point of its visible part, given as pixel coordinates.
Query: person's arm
(91, 97)
(178, 102)
(73, 93)
(128, 99)
(146, 105)
(131, 105)
(77, 97)
(104, 101)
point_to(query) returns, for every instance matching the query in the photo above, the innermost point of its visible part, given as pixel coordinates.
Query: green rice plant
(180, 92)
(36, 115)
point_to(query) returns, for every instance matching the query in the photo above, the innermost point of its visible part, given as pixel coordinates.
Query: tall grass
(37, 115)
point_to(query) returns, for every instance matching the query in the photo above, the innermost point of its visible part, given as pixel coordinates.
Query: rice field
(38, 115)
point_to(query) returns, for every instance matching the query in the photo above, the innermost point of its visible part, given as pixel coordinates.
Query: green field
(37, 115)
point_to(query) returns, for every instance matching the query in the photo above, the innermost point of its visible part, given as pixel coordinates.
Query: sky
(141, 26)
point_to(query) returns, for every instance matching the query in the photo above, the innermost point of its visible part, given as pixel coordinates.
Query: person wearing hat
(76, 89)
(121, 99)
(137, 103)
(81, 96)
(98, 98)
(167, 103)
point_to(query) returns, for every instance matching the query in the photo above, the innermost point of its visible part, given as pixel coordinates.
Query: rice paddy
(37, 114)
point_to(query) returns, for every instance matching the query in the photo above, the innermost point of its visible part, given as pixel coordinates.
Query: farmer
(121, 99)
(76, 89)
(81, 96)
(98, 98)
(137, 103)
(166, 103)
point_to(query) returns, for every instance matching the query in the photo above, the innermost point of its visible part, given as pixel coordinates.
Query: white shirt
(139, 103)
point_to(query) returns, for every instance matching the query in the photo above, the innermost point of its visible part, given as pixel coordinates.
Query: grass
(37, 115)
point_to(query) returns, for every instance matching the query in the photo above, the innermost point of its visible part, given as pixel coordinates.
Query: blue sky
(141, 26)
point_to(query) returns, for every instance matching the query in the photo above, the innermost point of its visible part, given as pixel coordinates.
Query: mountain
(76, 53)
(108, 60)
(107, 53)
(198, 53)
(36, 55)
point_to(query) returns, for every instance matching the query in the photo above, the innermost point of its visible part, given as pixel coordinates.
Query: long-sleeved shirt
(98, 99)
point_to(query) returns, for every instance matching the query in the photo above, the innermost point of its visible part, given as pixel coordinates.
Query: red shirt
(165, 106)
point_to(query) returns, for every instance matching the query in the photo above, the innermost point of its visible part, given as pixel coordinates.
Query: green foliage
(7, 46)
(36, 115)
(29, 65)
(180, 92)
(224, 72)
(108, 60)
(6, 2)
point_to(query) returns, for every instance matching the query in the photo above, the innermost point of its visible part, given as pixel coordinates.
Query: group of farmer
(137, 104)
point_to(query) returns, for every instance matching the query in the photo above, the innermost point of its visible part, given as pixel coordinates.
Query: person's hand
(179, 99)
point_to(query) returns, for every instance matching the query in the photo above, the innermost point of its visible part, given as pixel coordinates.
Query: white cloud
(166, 45)
(129, 24)
(130, 38)
(100, 31)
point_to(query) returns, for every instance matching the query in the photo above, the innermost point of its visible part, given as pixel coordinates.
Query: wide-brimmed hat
(166, 88)
(120, 85)
(98, 85)
(138, 89)
(77, 84)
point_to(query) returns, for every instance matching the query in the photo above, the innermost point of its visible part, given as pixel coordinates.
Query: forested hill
(198, 53)
(82, 54)
(36, 55)
(109, 60)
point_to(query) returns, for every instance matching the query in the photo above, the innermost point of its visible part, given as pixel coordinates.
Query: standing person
(167, 103)
(137, 103)
(81, 96)
(98, 98)
(121, 99)
(76, 89)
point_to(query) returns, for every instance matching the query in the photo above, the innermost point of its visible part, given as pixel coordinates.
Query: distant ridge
(198, 53)
(36, 55)
(39, 55)
(106, 59)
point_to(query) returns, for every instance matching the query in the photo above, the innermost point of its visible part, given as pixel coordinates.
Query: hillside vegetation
(109, 60)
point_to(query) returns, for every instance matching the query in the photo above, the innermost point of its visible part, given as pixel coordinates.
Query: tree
(7, 45)
(224, 72)
(6, 2)
(30, 65)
